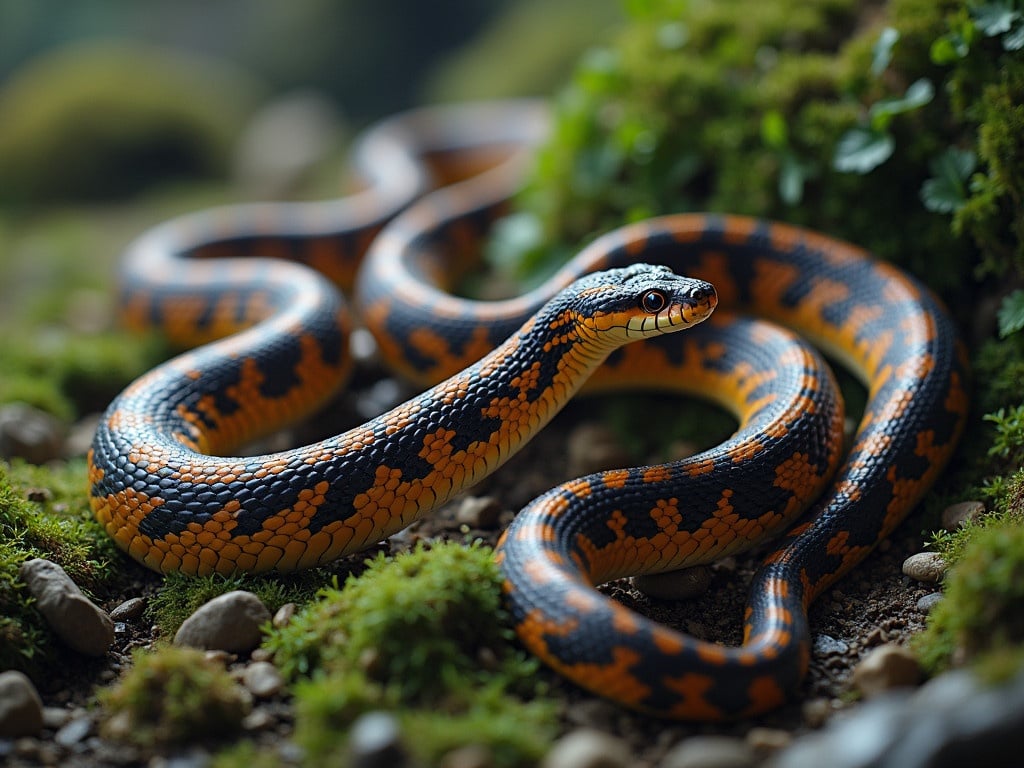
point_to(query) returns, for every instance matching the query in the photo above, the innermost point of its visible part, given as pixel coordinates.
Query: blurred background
(115, 116)
(103, 98)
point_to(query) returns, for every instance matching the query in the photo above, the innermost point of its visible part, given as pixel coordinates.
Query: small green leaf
(995, 18)
(883, 50)
(1011, 314)
(949, 49)
(918, 93)
(774, 132)
(861, 150)
(945, 192)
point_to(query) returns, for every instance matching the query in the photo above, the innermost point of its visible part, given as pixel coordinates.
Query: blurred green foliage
(103, 121)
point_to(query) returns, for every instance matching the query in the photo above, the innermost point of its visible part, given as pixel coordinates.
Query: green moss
(981, 615)
(516, 733)
(446, 598)
(423, 635)
(44, 513)
(174, 695)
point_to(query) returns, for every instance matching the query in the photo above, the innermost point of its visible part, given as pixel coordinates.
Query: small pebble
(710, 752)
(826, 645)
(926, 567)
(261, 654)
(81, 624)
(479, 512)
(55, 718)
(21, 709)
(587, 748)
(956, 515)
(682, 584)
(129, 610)
(884, 668)
(74, 732)
(929, 601)
(284, 615)
(263, 679)
(229, 623)
(258, 720)
(375, 741)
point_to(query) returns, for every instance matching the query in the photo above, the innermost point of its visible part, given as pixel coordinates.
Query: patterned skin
(166, 490)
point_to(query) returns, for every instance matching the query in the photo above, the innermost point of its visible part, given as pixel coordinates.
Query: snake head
(622, 305)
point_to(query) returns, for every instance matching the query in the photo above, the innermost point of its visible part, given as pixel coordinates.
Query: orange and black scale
(890, 331)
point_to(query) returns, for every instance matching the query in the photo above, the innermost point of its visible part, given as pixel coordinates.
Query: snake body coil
(165, 493)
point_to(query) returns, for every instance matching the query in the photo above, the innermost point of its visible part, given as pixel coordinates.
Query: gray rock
(130, 610)
(929, 601)
(74, 732)
(263, 679)
(952, 721)
(926, 567)
(710, 752)
(956, 515)
(230, 622)
(826, 645)
(21, 709)
(29, 433)
(586, 748)
(284, 615)
(375, 741)
(850, 742)
(683, 584)
(885, 667)
(75, 619)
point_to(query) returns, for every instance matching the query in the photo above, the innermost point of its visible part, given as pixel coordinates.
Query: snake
(255, 294)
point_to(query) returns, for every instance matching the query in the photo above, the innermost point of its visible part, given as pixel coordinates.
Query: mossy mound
(422, 635)
(107, 120)
(174, 695)
(981, 619)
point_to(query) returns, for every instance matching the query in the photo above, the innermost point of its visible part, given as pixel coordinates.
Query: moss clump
(174, 695)
(423, 635)
(43, 513)
(106, 120)
(982, 616)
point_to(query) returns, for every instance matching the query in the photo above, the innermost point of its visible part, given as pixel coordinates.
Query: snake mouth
(695, 306)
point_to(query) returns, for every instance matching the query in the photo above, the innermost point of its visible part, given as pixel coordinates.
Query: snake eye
(653, 302)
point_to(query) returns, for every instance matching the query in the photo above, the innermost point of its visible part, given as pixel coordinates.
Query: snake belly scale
(272, 331)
